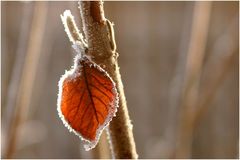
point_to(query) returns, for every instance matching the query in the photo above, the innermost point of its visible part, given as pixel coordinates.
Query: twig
(29, 74)
(196, 54)
(101, 47)
(71, 29)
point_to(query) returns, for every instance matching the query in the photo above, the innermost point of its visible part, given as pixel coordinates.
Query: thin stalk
(221, 60)
(176, 84)
(28, 75)
(214, 84)
(195, 58)
(13, 86)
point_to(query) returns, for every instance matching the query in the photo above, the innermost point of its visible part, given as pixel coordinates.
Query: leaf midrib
(89, 91)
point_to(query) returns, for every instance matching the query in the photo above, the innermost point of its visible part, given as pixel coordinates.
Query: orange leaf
(87, 100)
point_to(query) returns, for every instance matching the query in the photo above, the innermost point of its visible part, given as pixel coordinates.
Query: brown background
(151, 37)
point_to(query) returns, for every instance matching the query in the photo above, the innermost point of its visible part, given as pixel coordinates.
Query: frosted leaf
(80, 74)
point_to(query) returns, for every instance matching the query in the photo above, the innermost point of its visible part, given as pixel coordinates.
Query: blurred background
(179, 66)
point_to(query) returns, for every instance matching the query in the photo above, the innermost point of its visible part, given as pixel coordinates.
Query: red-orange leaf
(87, 100)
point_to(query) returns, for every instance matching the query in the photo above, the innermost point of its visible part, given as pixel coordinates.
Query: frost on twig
(97, 31)
(99, 34)
(72, 31)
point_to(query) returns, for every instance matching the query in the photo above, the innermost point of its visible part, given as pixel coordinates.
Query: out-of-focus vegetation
(181, 87)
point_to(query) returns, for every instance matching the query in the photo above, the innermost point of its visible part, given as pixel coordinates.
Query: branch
(101, 47)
